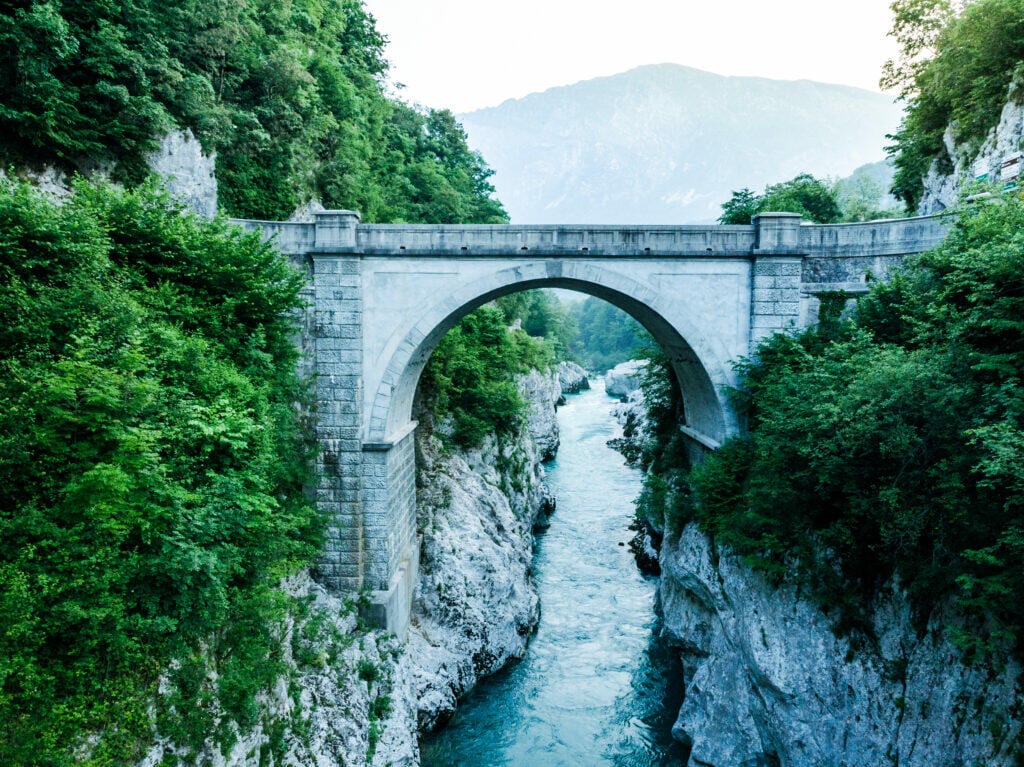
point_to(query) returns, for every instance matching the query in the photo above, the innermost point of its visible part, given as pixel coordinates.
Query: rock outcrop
(770, 680)
(476, 605)
(941, 189)
(624, 378)
(572, 378)
(541, 392)
(186, 171)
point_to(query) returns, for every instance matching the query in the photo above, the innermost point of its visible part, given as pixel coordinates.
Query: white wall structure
(381, 297)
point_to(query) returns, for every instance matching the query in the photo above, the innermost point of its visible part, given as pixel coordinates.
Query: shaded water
(597, 687)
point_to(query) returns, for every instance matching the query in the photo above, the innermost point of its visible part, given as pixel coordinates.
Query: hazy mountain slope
(667, 144)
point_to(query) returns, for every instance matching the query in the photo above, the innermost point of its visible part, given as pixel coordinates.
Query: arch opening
(700, 372)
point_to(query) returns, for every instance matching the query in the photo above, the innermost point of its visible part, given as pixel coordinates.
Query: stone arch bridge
(381, 297)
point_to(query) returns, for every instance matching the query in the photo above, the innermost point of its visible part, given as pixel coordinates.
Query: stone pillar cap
(354, 213)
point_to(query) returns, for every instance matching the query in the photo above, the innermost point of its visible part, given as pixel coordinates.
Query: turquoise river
(597, 686)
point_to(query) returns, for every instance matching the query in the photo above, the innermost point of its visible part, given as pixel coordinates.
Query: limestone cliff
(476, 605)
(769, 679)
(941, 188)
(572, 378)
(185, 170)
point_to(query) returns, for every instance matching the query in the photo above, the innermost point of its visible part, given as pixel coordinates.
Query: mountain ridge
(667, 143)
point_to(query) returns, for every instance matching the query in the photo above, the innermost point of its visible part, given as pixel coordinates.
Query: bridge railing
(340, 231)
(567, 240)
(896, 236)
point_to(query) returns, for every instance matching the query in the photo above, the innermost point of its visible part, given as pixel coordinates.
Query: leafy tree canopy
(892, 442)
(957, 64)
(290, 95)
(151, 471)
(814, 199)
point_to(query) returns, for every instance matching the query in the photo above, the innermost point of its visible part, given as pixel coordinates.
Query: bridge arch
(382, 296)
(702, 371)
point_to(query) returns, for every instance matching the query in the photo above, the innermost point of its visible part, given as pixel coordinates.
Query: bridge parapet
(891, 237)
(589, 241)
(341, 231)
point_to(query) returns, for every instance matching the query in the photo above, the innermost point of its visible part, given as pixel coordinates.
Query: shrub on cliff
(893, 443)
(151, 463)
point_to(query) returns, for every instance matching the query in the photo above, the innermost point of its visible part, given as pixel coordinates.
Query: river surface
(596, 687)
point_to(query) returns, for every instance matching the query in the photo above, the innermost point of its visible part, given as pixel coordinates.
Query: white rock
(766, 673)
(941, 190)
(188, 173)
(572, 377)
(476, 605)
(624, 378)
(542, 392)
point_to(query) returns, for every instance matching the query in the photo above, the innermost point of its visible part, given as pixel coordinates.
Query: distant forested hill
(667, 144)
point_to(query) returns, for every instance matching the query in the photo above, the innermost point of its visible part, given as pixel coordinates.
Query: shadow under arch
(702, 373)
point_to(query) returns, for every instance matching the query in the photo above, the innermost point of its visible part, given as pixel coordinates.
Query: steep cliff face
(185, 170)
(769, 679)
(476, 605)
(344, 699)
(941, 188)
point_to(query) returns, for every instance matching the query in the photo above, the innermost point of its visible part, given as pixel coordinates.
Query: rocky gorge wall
(184, 169)
(476, 606)
(771, 680)
(941, 188)
(351, 696)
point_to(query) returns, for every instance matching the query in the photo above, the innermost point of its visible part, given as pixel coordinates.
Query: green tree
(915, 28)
(151, 471)
(606, 335)
(960, 79)
(812, 198)
(740, 208)
(890, 443)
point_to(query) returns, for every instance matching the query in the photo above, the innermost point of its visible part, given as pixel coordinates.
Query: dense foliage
(814, 199)
(151, 463)
(471, 376)
(541, 314)
(289, 94)
(605, 335)
(892, 443)
(955, 72)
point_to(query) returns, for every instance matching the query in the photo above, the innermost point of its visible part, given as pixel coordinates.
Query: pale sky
(467, 54)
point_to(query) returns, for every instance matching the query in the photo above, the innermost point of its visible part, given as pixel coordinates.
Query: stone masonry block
(769, 321)
(761, 295)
